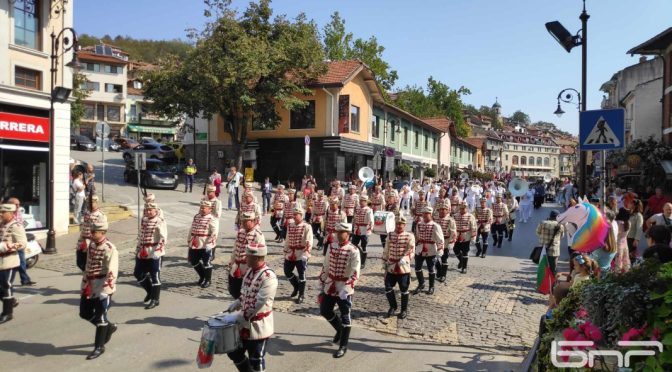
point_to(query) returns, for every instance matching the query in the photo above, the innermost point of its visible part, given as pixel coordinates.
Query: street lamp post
(569, 41)
(57, 94)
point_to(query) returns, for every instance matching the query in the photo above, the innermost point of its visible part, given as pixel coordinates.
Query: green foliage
(651, 153)
(141, 49)
(241, 66)
(470, 109)
(77, 107)
(430, 172)
(340, 45)
(438, 100)
(403, 170)
(520, 117)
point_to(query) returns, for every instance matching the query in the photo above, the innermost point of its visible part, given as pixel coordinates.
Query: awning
(150, 129)
(23, 148)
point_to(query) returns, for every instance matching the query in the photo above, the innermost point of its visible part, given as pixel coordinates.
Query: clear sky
(496, 48)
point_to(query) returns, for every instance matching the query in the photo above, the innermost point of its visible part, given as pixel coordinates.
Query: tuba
(548, 177)
(366, 174)
(518, 187)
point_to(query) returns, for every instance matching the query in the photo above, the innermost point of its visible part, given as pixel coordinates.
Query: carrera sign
(24, 127)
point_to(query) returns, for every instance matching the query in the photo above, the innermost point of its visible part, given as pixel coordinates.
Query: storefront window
(24, 176)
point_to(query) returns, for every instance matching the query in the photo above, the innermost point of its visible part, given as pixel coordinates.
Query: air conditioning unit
(250, 154)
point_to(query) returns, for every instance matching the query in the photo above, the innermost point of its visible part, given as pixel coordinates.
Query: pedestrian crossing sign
(602, 129)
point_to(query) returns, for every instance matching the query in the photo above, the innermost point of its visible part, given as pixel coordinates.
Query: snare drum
(226, 336)
(383, 222)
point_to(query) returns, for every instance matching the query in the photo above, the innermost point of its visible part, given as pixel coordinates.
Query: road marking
(25, 297)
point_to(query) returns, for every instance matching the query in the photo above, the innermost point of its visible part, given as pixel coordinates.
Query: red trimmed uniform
(238, 259)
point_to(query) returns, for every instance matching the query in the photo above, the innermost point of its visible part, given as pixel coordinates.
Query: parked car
(153, 151)
(180, 152)
(126, 143)
(114, 146)
(83, 143)
(148, 141)
(157, 175)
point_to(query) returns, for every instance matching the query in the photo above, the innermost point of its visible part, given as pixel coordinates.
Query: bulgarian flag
(545, 277)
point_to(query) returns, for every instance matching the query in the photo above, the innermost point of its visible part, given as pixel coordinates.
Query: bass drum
(383, 222)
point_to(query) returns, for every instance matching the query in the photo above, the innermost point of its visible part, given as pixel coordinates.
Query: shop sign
(24, 127)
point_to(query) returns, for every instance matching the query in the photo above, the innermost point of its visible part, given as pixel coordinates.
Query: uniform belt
(201, 235)
(462, 231)
(362, 224)
(339, 278)
(239, 261)
(426, 242)
(89, 277)
(148, 244)
(295, 247)
(260, 316)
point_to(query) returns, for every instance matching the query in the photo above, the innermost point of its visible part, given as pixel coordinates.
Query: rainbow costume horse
(586, 228)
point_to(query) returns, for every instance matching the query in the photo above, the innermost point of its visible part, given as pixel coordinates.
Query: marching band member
(211, 196)
(255, 310)
(334, 216)
(320, 206)
(287, 213)
(151, 247)
(363, 226)
(98, 285)
(512, 206)
(466, 233)
(249, 233)
(248, 205)
(94, 215)
(13, 240)
(419, 205)
(338, 277)
(483, 215)
(449, 229)
(455, 202)
(151, 198)
(350, 201)
(397, 256)
(428, 243)
(500, 214)
(297, 252)
(393, 207)
(279, 201)
(377, 200)
(337, 191)
(390, 191)
(202, 239)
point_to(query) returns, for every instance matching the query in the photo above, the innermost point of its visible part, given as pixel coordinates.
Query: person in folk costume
(94, 215)
(99, 283)
(151, 198)
(254, 310)
(500, 214)
(249, 233)
(377, 200)
(441, 201)
(216, 210)
(14, 239)
(512, 206)
(363, 226)
(484, 218)
(467, 228)
(397, 255)
(349, 203)
(449, 229)
(248, 205)
(390, 206)
(297, 249)
(317, 221)
(334, 216)
(340, 272)
(202, 239)
(337, 191)
(278, 208)
(419, 205)
(151, 247)
(248, 189)
(455, 202)
(390, 191)
(428, 244)
(287, 212)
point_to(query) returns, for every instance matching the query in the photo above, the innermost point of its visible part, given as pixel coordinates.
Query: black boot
(444, 270)
(510, 235)
(485, 249)
(207, 277)
(499, 243)
(460, 262)
(464, 264)
(147, 285)
(421, 282)
(244, 366)
(99, 348)
(345, 336)
(338, 326)
(201, 274)
(437, 269)
(7, 310)
(363, 257)
(404, 306)
(295, 284)
(430, 290)
(478, 249)
(302, 290)
(154, 301)
(111, 328)
(392, 300)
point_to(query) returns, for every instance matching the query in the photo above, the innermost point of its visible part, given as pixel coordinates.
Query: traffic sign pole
(102, 130)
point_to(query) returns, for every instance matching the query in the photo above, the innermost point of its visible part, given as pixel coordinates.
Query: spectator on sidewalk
(89, 185)
(658, 238)
(215, 179)
(78, 189)
(22, 269)
(266, 194)
(189, 173)
(233, 179)
(656, 203)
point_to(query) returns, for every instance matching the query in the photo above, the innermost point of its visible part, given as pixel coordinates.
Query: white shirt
(235, 180)
(78, 187)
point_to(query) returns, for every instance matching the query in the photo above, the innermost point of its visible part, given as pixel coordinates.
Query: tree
(241, 67)
(470, 109)
(77, 108)
(520, 117)
(339, 45)
(438, 100)
(403, 170)
(140, 49)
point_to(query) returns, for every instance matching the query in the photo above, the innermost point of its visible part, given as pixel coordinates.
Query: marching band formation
(445, 217)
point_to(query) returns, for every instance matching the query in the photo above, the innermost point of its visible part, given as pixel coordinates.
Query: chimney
(642, 59)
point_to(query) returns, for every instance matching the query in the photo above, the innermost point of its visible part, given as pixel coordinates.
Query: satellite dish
(518, 187)
(366, 174)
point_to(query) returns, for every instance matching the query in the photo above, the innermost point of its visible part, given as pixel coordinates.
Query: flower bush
(632, 306)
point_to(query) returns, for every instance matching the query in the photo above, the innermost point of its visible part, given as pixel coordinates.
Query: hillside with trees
(141, 49)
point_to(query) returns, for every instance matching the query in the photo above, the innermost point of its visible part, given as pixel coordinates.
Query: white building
(637, 88)
(527, 155)
(25, 83)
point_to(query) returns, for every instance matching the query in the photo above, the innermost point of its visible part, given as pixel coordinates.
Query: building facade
(530, 156)
(568, 160)
(25, 83)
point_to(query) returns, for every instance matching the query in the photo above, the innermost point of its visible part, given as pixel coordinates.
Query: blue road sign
(602, 129)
